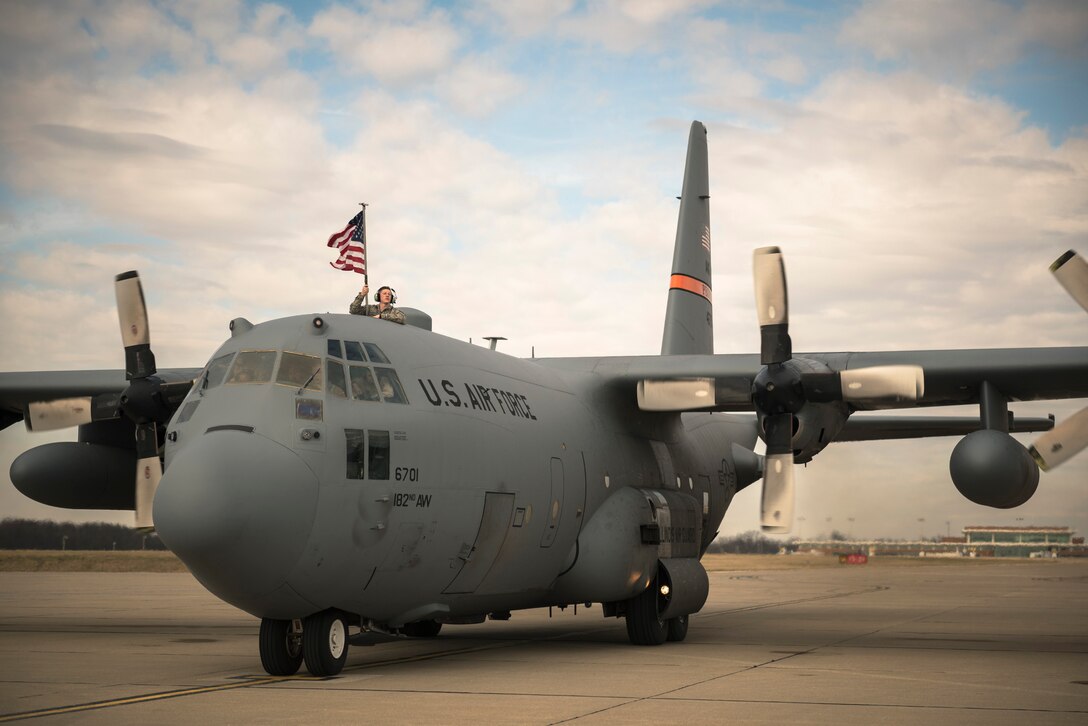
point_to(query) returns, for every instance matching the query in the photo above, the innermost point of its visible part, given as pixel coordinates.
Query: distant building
(1018, 541)
(976, 542)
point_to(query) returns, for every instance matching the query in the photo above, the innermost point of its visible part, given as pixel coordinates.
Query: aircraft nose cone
(237, 508)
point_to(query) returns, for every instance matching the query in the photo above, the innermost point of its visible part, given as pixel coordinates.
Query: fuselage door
(494, 526)
(555, 503)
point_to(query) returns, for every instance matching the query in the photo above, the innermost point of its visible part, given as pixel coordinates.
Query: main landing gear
(321, 640)
(644, 623)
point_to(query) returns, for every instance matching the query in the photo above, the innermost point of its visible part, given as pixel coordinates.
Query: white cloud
(477, 89)
(521, 17)
(624, 26)
(395, 49)
(965, 36)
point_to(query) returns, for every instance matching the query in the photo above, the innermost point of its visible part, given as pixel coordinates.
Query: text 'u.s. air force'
(481, 398)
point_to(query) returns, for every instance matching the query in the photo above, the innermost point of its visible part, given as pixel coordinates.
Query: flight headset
(392, 294)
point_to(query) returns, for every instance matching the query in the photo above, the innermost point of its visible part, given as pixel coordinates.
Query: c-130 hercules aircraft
(329, 472)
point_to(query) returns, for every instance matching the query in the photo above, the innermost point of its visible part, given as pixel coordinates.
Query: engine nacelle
(992, 468)
(77, 475)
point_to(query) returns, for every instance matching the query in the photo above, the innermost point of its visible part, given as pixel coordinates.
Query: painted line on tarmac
(246, 683)
(129, 700)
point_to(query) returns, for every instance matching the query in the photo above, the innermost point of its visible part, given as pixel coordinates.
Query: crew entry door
(555, 504)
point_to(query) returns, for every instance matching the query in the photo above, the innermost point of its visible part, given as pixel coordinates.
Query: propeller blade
(60, 414)
(675, 395)
(898, 383)
(1062, 442)
(64, 413)
(776, 509)
(1072, 272)
(772, 306)
(776, 506)
(132, 314)
(148, 473)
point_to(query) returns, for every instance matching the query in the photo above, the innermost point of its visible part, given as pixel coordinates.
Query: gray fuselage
(461, 492)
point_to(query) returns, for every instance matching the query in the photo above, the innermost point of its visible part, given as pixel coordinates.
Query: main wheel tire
(325, 643)
(644, 625)
(422, 628)
(678, 628)
(281, 650)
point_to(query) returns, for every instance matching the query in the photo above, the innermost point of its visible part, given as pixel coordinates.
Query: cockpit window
(389, 385)
(334, 349)
(335, 379)
(217, 370)
(252, 366)
(363, 387)
(300, 371)
(354, 351)
(375, 353)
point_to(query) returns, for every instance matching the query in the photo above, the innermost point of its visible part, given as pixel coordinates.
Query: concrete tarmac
(955, 643)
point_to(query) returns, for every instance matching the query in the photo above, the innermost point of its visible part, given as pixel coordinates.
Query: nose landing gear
(321, 640)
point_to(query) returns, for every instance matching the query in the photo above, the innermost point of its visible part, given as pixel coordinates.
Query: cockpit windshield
(300, 371)
(253, 366)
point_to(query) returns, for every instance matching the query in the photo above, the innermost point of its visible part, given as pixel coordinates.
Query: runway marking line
(247, 683)
(159, 696)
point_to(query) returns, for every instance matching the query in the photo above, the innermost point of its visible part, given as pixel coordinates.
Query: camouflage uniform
(359, 307)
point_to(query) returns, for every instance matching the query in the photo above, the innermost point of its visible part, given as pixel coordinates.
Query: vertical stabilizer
(689, 320)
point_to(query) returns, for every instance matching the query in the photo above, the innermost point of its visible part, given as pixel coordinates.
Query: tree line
(42, 534)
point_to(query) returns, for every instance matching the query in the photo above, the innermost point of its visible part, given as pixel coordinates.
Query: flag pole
(366, 261)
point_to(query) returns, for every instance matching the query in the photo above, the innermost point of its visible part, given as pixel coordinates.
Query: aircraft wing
(869, 427)
(19, 390)
(951, 377)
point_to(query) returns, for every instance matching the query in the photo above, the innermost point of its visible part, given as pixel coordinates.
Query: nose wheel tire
(281, 649)
(325, 643)
(644, 625)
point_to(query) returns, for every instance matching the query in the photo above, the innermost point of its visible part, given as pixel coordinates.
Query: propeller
(781, 388)
(147, 401)
(140, 401)
(1068, 438)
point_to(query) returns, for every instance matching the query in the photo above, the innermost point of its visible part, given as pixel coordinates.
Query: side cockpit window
(300, 371)
(389, 385)
(334, 376)
(366, 383)
(252, 366)
(375, 353)
(217, 370)
(354, 351)
(363, 387)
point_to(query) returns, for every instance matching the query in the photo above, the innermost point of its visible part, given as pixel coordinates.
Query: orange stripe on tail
(690, 284)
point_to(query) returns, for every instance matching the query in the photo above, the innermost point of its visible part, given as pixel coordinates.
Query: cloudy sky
(920, 163)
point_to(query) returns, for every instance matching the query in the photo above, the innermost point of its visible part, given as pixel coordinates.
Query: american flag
(351, 242)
